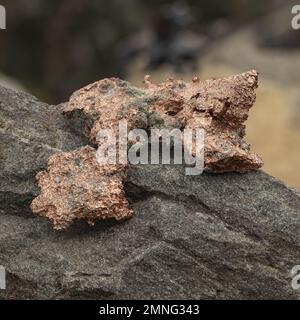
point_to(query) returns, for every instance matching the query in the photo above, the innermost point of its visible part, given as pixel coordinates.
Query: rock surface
(30, 131)
(211, 236)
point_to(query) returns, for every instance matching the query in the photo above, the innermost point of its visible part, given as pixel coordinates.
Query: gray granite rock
(30, 131)
(233, 236)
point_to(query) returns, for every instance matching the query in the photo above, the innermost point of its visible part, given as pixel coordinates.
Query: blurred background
(54, 47)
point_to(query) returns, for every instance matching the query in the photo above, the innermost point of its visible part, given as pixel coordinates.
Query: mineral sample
(219, 106)
(76, 186)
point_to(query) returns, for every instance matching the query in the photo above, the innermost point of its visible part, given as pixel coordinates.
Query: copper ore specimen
(77, 187)
(219, 106)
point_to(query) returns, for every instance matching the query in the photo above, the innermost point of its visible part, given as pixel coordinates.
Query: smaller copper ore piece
(75, 186)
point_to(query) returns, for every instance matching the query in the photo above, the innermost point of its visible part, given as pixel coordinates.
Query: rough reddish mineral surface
(77, 187)
(219, 106)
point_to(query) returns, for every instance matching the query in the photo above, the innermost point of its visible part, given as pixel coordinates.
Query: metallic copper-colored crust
(75, 186)
(219, 106)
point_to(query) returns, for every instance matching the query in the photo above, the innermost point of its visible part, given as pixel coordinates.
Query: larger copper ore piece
(220, 107)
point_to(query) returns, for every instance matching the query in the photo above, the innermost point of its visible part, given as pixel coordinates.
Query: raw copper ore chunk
(220, 107)
(75, 186)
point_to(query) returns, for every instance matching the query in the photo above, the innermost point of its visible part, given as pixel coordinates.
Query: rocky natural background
(204, 237)
(211, 236)
(52, 48)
